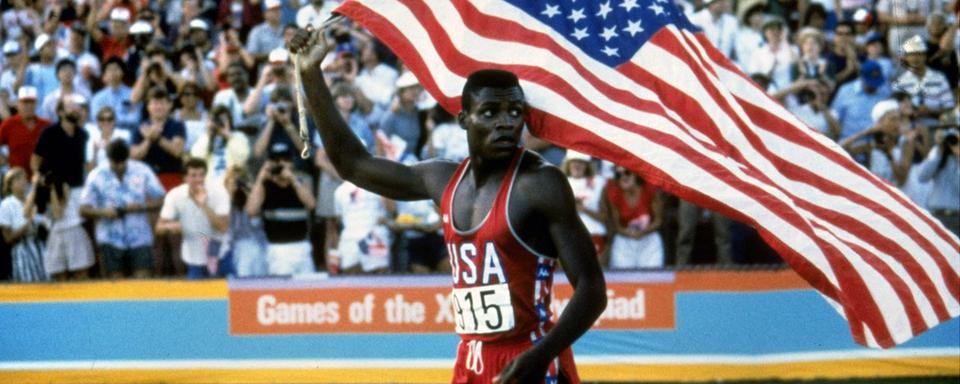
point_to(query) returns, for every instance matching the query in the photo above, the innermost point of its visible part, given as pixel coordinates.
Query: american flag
(635, 83)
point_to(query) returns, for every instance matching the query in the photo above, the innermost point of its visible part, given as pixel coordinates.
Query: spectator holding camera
(268, 35)
(118, 195)
(275, 75)
(230, 51)
(199, 212)
(221, 146)
(943, 170)
(154, 72)
(887, 156)
(281, 128)
(19, 226)
(59, 159)
(284, 203)
(196, 69)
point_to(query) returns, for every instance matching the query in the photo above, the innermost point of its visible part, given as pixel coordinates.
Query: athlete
(508, 217)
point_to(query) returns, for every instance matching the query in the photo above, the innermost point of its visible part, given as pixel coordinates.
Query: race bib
(481, 310)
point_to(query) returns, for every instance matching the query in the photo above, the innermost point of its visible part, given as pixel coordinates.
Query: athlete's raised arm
(346, 152)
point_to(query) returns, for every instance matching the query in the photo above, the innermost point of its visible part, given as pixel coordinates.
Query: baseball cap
(199, 24)
(914, 44)
(862, 16)
(882, 108)
(280, 151)
(270, 4)
(11, 48)
(872, 74)
(27, 92)
(120, 14)
(141, 27)
(407, 79)
(278, 56)
(41, 40)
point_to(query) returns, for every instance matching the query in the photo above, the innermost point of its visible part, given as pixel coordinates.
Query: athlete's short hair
(487, 78)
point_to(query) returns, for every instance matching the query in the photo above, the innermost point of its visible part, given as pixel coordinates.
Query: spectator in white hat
(275, 73)
(315, 13)
(402, 119)
(750, 35)
(904, 18)
(883, 149)
(21, 131)
(928, 87)
(268, 35)
(116, 43)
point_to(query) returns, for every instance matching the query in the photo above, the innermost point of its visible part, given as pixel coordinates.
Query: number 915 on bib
(484, 309)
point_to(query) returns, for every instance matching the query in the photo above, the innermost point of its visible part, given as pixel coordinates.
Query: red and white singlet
(501, 288)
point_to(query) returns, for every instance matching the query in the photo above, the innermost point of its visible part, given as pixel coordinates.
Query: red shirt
(111, 47)
(630, 212)
(21, 139)
(501, 287)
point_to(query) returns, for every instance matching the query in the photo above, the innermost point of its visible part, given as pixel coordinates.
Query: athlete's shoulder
(436, 174)
(539, 179)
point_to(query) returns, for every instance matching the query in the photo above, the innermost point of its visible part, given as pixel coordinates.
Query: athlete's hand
(526, 368)
(311, 44)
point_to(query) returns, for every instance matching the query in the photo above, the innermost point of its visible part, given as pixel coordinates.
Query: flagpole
(301, 109)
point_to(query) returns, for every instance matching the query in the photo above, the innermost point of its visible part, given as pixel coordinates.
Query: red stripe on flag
(773, 121)
(694, 110)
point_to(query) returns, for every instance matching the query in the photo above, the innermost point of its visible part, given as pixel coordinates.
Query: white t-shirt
(11, 213)
(589, 190)
(97, 144)
(359, 211)
(197, 229)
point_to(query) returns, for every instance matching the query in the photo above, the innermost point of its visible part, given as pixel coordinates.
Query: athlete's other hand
(526, 368)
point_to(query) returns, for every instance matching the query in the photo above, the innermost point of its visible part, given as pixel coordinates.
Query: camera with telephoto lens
(282, 107)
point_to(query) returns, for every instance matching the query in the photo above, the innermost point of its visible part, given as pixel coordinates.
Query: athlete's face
(494, 122)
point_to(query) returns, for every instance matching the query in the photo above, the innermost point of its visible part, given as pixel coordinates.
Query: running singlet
(501, 287)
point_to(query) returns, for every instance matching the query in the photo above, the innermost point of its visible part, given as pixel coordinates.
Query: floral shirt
(103, 189)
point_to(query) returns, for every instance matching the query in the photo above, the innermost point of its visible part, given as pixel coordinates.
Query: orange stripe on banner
(863, 368)
(115, 290)
(740, 281)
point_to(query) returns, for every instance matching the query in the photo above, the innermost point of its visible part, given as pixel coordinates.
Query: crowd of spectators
(159, 137)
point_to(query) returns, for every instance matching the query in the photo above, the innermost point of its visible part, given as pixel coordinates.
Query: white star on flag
(656, 9)
(580, 33)
(629, 4)
(610, 51)
(609, 33)
(551, 11)
(633, 28)
(604, 10)
(577, 15)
